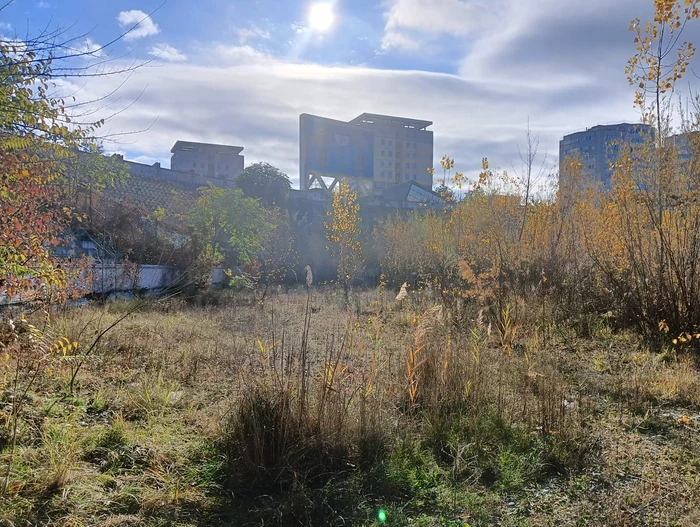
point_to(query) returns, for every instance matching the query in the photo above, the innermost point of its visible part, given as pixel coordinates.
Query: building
(206, 159)
(597, 148)
(151, 187)
(373, 151)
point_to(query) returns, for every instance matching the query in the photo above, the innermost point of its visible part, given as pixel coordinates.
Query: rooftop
(412, 191)
(190, 145)
(608, 126)
(371, 118)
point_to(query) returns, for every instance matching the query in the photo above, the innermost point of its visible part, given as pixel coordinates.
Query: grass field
(225, 411)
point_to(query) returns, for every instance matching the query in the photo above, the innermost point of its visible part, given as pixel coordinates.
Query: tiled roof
(150, 194)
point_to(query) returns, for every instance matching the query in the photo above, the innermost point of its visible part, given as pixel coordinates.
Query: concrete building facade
(388, 151)
(598, 148)
(403, 149)
(206, 159)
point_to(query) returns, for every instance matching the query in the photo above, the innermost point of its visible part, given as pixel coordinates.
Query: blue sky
(241, 71)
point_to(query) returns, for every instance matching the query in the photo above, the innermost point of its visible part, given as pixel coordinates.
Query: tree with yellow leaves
(660, 61)
(343, 234)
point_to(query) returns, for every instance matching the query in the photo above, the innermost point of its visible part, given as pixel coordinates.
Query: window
(382, 173)
(414, 166)
(405, 176)
(383, 152)
(381, 163)
(414, 177)
(398, 165)
(390, 153)
(414, 155)
(389, 163)
(408, 145)
(414, 145)
(194, 164)
(383, 142)
(391, 143)
(201, 165)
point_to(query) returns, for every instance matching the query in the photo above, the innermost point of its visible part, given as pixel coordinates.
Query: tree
(41, 135)
(228, 229)
(446, 192)
(35, 138)
(343, 234)
(265, 182)
(653, 69)
(526, 179)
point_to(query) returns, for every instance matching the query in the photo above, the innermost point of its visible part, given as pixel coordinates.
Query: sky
(240, 72)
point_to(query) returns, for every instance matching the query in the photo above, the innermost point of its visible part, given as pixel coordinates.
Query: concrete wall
(117, 278)
(189, 179)
(110, 278)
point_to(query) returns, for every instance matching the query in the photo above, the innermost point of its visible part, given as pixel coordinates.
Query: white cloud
(167, 52)
(240, 55)
(43, 5)
(396, 39)
(250, 33)
(560, 64)
(250, 99)
(145, 26)
(433, 17)
(90, 48)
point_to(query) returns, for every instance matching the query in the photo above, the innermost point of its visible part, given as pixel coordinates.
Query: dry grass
(308, 414)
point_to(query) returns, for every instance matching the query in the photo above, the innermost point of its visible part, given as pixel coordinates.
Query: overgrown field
(299, 412)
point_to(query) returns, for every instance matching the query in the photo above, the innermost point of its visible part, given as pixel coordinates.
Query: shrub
(270, 444)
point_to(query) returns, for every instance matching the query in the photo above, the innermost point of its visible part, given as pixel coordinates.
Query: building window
(405, 176)
(414, 155)
(194, 164)
(391, 143)
(382, 142)
(390, 153)
(414, 166)
(382, 173)
(381, 163)
(408, 145)
(414, 177)
(389, 163)
(383, 152)
(414, 145)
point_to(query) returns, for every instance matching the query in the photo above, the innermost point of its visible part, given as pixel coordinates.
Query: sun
(321, 16)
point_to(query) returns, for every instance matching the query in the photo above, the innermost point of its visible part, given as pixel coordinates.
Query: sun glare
(321, 16)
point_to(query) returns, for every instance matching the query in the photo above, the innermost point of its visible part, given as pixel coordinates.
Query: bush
(271, 444)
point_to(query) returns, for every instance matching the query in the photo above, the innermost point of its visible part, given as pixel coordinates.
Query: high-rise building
(206, 159)
(597, 148)
(373, 151)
